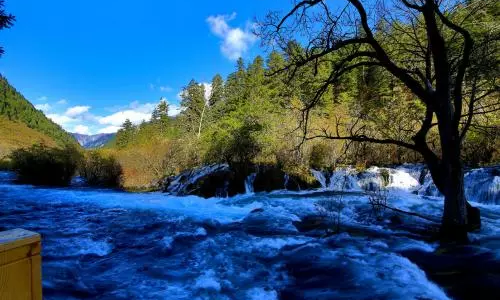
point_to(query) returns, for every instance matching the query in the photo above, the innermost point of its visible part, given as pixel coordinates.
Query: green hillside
(15, 135)
(14, 107)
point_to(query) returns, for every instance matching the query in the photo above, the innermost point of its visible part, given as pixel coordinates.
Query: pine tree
(217, 90)
(254, 84)
(125, 135)
(194, 104)
(236, 87)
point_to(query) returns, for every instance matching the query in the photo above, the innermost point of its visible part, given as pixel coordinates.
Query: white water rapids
(102, 244)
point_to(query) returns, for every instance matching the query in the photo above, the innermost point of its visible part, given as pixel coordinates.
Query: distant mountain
(93, 141)
(15, 108)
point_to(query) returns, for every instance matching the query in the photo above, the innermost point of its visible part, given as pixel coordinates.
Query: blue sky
(90, 64)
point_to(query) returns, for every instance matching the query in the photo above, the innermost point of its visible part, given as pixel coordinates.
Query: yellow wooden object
(20, 265)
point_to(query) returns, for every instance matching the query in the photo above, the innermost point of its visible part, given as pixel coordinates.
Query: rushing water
(101, 244)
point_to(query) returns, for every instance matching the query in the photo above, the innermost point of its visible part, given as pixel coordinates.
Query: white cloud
(62, 102)
(143, 108)
(165, 88)
(81, 129)
(79, 118)
(118, 118)
(174, 110)
(61, 119)
(236, 41)
(76, 111)
(43, 107)
(43, 98)
(109, 129)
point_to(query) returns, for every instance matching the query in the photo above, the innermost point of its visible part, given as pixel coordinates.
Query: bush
(100, 170)
(42, 165)
(321, 156)
(5, 164)
(237, 147)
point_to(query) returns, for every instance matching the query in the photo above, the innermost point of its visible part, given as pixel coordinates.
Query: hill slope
(14, 107)
(93, 141)
(15, 135)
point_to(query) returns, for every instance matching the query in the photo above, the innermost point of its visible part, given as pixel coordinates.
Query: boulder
(208, 181)
(271, 178)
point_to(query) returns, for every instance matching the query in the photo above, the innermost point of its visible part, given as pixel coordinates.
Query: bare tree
(426, 47)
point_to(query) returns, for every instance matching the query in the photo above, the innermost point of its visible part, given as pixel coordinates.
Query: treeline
(15, 107)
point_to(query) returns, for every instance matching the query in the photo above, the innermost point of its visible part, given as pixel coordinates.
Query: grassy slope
(14, 135)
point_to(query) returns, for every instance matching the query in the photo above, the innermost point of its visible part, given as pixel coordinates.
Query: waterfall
(249, 183)
(344, 180)
(320, 177)
(483, 185)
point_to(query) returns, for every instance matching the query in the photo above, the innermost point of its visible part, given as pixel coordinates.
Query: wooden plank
(15, 254)
(16, 238)
(20, 265)
(15, 280)
(36, 277)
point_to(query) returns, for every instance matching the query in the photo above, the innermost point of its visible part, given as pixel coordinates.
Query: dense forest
(255, 116)
(14, 107)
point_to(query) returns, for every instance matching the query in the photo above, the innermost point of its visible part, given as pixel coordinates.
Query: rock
(296, 183)
(271, 178)
(257, 210)
(309, 223)
(208, 181)
(225, 181)
(396, 220)
(272, 221)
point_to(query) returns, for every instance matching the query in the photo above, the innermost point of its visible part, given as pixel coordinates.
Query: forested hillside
(266, 113)
(14, 107)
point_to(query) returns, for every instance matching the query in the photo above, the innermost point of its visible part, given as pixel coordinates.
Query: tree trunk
(459, 216)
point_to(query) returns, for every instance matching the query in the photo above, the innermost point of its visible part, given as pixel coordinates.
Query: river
(104, 244)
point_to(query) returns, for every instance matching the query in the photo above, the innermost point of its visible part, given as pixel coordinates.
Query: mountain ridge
(94, 140)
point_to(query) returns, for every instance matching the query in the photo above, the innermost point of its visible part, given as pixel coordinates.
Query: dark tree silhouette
(421, 43)
(6, 20)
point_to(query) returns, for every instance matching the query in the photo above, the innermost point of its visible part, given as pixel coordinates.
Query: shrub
(320, 157)
(5, 164)
(42, 165)
(238, 146)
(101, 170)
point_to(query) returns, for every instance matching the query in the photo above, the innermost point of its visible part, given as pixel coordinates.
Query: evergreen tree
(235, 87)
(217, 90)
(255, 89)
(194, 104)
(125, 135)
